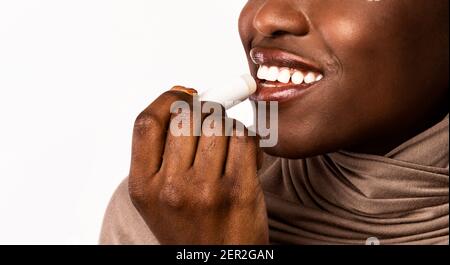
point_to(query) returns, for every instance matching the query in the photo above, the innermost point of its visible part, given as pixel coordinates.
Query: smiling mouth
(282, 76)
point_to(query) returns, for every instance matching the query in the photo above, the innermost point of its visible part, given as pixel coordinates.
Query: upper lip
(281, 58)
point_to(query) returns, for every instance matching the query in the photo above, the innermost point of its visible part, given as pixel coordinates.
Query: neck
(383, 144)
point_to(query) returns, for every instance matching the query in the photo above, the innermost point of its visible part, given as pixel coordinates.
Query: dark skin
(385, 66)
(386, 79)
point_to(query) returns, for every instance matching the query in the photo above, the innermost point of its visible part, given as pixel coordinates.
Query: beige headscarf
(338, 198)
(346, 198)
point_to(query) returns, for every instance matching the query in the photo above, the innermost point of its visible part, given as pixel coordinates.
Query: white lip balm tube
(232, 93)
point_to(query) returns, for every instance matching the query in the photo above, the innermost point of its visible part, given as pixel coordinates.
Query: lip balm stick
(233, 93)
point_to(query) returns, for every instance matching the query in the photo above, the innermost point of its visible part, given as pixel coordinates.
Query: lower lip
(276, 91)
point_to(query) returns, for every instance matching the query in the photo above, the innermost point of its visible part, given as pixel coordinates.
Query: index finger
(150, 131)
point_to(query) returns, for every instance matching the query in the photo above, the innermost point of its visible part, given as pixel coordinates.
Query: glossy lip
(277, 91)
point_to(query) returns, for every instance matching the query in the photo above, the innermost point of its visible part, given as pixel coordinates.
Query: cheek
(345, 31)
(348, 36)
(359, 24)
(364, 53)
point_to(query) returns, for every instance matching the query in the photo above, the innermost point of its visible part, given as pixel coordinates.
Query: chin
(298, 146)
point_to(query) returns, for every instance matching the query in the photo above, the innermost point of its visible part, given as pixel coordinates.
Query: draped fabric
(346, 198)
(338, 198)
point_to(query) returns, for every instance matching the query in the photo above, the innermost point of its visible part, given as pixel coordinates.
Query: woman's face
(384, 65)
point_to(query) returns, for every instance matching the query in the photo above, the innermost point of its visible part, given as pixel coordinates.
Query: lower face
(358, 75)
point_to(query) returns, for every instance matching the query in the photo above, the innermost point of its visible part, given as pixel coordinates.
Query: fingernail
(186, 90)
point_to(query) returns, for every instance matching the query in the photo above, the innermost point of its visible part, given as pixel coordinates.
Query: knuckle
(241, 197)
(147, 120)
(242, 192)
(232, 174)
(207, 198)
(171, 196)
(136, 191)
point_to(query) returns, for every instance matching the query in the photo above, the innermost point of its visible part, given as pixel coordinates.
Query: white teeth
(273, 73)
(262, 72)
(319, 77)
(310, 77)
(297, 78)
(284, 76)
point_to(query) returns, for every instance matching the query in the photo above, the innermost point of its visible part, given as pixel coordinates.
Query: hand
(195, 190)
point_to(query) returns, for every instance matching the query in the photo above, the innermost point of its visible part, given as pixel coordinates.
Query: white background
(73, 76)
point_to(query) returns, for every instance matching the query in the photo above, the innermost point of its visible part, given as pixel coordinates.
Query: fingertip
(189, 91)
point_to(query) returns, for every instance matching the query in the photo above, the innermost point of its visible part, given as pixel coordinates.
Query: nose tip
(278, 18)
